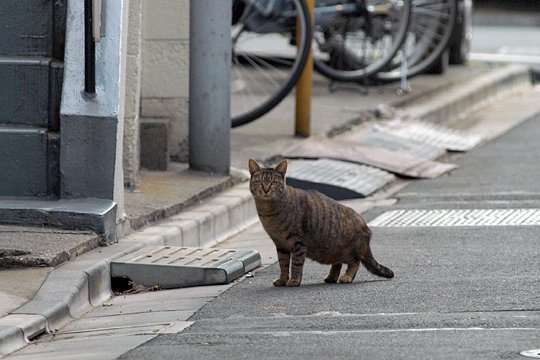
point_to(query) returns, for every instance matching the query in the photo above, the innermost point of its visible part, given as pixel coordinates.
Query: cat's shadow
(322, 285)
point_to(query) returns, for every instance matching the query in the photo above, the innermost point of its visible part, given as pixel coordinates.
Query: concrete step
(31, 27)
(25, 90)
(96, 215)
(25, 160)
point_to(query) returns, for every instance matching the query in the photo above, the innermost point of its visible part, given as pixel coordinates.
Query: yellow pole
(303, 87)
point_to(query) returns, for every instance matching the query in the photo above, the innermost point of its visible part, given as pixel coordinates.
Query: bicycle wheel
(360, 38)
(266, 63)
(432, 22)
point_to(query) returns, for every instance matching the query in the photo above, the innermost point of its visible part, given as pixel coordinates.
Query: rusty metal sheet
(393, 161)
(413, 147)
(425, 132)
(338, 179)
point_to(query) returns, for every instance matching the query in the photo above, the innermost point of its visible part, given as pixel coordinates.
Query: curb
(75, 287)
(459, 100)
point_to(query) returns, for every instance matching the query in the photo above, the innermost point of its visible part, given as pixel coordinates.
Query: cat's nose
(266, 189)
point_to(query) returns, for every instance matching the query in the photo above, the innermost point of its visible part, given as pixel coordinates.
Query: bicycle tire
(347, 69)
(258, 109)
(424, 53)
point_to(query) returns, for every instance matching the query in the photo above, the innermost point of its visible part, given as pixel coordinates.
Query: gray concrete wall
(165, 69)
(133, 93)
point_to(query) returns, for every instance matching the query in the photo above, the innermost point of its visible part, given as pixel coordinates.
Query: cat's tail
(375, 268)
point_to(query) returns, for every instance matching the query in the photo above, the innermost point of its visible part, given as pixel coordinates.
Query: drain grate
(458, 217)
(173, 267)
(339, 179)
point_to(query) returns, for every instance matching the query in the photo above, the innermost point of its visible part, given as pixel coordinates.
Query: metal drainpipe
(209, 85)
(89, 50)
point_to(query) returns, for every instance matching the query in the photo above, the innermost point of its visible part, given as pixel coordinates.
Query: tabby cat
(307, 223)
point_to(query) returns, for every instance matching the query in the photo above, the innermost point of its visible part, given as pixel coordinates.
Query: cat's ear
(253, 166)
(282, 167)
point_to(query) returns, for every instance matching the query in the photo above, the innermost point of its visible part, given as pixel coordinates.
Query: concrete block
(170, 234)
(154, 144)
(190, 230)
(166, 19)
(55, 311)
(99, 282)
(221, 218)
(12, 339)
(177, 110)
(31, 325)
(205, 225)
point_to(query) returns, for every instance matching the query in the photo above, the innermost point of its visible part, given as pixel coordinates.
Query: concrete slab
(163, 194)
(39, 246)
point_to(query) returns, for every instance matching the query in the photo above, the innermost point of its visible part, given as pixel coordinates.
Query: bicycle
(353, 39)
(425, 47)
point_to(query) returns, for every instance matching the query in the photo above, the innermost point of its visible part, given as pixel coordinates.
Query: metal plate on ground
(394, 161)
(413, 147)
(458, 217)
(424, 132)
(339, 179)
(173, 267)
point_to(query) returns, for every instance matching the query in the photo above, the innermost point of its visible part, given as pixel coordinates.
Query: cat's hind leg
(334, 274)
(350, 273)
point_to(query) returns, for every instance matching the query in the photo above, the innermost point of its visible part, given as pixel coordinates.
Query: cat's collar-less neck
(266, 207)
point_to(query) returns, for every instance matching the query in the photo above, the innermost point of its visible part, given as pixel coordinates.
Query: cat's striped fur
(309, 224)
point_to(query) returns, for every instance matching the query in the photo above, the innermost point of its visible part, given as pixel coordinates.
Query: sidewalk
(52, 298)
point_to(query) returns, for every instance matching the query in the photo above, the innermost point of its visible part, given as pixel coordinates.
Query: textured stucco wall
(92, 128)
(165, 68)
(131, 161)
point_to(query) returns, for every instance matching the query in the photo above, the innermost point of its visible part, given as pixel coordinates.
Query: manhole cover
(173, 267)
(459, 217)
(339, 179)
(531, 353)
(428, 133)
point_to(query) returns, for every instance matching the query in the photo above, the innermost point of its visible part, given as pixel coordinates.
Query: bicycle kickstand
(404, 87)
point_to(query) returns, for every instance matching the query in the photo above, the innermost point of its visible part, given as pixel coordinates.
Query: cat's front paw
(330, 279)
(280, 282)
(293, 282)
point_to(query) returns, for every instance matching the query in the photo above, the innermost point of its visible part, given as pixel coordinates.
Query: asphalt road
(459, 292)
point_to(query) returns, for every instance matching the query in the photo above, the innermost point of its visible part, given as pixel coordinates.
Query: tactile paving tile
(458, 217)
